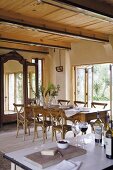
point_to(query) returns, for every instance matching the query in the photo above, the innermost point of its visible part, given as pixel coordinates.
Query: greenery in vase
(51, 91)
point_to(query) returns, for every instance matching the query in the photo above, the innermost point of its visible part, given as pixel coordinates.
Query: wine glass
(76, 131)
(83, 126)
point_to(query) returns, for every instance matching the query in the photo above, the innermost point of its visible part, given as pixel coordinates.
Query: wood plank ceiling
(29, 24)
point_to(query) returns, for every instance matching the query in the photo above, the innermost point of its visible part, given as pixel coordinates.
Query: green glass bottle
(109, 142)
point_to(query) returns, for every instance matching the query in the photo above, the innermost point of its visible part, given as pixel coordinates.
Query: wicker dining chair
(19, 108)
(41, 119)
(28, 114)
(99, 105)
(24, 118)
(59, 126)
(63, 102)
(80, 103)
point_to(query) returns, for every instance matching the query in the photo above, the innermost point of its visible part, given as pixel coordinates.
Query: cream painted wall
(58, 77)
(13, 66)
(4, 51)
(68, 79)
(88, 52)
(61, 78)
(111, 40)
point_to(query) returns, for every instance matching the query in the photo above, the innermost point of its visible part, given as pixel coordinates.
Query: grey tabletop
(94, 159)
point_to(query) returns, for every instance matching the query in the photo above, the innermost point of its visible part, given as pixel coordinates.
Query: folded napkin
(68, 165)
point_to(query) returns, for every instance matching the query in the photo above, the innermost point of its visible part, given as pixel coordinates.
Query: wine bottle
(109, 142)
(98, 130)
(106, 129)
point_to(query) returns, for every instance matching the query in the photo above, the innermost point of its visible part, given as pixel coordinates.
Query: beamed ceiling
(35, 25)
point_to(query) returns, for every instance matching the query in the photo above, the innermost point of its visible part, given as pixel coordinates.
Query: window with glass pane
(80, 87)
(11, 91)
(40, 72)
(33, 84)
(31, 81)
(28, 85)
(101, 83)
(32, 78)
(19, 88)
(90, 86)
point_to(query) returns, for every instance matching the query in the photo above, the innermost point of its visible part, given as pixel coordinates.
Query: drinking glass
(83, 126)
(76, 131)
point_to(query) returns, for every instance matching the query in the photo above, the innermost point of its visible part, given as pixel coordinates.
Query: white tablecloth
(73, 111)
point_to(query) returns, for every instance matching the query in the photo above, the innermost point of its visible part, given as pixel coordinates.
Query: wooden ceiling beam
(23, 47)
(96, 8)
(50, 27)
(13, 37)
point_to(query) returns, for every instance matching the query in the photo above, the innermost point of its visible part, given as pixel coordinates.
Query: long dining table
(86, 114)
(81, 114)
(69, 114)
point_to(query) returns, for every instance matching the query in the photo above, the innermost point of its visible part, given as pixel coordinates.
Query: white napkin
(68, 165)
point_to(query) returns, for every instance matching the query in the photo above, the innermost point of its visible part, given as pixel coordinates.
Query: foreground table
(94, 159)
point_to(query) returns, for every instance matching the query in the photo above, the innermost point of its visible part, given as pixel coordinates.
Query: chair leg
(36, 130)
(29, 130)
(17, 130)
(48, 128)
(52, 134)
(35, 133)
(44, 134)
(24, 127)
(92, 128)
(63, 135)
(55, 135)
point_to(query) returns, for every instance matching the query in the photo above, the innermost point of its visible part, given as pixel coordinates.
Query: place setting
(59, 156)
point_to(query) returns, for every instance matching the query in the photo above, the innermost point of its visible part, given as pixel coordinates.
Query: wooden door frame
(86, 73)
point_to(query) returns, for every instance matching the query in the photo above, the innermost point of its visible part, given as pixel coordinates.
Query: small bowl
(62, 144)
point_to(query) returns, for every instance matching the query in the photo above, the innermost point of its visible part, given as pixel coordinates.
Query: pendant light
(60, 67)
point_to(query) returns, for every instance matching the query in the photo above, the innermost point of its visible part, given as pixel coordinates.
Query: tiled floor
(8, 127)
(9, 142)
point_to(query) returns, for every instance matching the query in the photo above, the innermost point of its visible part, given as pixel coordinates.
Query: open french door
(83, 85)
(95, 83)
